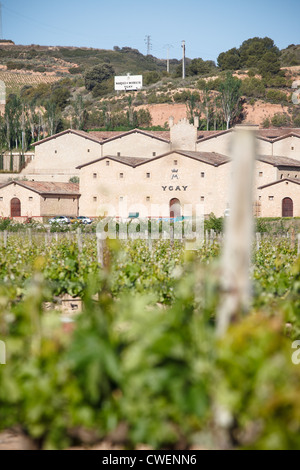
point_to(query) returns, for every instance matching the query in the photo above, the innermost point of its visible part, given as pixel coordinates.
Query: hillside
(65, 61)
(290, 56)
(62, 87)
(31, 65)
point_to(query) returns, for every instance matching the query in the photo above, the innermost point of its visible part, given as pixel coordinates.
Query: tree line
(47, 109)
(219, 104)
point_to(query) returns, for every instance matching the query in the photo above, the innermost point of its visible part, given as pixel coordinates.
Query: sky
(208, 28)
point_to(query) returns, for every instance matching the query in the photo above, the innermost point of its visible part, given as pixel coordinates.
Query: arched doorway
(15, 207)
(287, 207)
(175, 208)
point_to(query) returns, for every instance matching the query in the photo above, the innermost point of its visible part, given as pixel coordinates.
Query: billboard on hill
(128, 82)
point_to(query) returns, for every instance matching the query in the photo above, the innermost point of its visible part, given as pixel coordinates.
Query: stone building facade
(123, 172)
(280, 198)
(116, 186)
(22, 200)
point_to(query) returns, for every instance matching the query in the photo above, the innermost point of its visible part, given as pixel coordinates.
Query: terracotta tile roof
(51, 187)
(278, 160)
(44, 187)
(130, 161)
(206, 135)
(116, 135)
(86, 135)
(269, 135)
(290, 180)
(106, 136)
(109, 135)
(211, 158)
(278, 132)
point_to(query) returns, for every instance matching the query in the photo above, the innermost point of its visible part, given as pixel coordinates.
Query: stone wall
(30, 201)
(183, 135)
(287, 147)
(59, 205)
(61, 155)
(117, 189)
(271, 198)
(135, 145)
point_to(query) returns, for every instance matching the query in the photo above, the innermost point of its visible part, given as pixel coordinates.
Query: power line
(41, 25)
(168, 47)
(148, 44)
(183, 59)
(1, 28)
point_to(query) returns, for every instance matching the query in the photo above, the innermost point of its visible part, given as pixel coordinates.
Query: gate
(15, 207)
(287, 207)
(175, 208)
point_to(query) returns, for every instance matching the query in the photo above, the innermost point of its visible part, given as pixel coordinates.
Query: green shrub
(214, 223)
(266, 123)
(277, 96)
(280, 120)
(151, 77)
(4, 223)
(253, 87)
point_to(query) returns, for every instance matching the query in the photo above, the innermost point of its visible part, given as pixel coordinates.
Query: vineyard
(15, 81)
(141, 364)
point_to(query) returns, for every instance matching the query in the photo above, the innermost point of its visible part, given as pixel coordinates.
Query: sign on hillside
(128, 82)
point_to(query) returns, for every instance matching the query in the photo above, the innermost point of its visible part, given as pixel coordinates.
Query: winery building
(150, 173)
(31, 199)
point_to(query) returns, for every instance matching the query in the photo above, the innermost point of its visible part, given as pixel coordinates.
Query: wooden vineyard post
(236, 259)
(100, 251)
(258, 240)
(47, 237)
(29, 232)
(172, 235)
(5, 238)
(293, 240)
(148, 238)
(79, 240)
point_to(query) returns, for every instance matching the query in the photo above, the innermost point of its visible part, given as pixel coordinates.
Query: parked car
(72, 219)
(133, 215)
(60, 219)
(84, 220)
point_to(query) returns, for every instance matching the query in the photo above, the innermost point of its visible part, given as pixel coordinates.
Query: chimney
(196, 121)
(171, 121)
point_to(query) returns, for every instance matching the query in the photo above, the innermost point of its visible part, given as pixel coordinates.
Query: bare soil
(255, 114)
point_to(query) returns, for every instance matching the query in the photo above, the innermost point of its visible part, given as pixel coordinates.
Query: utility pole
(168, 46)
(1, 29)
(183, 59)
(148, 44)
